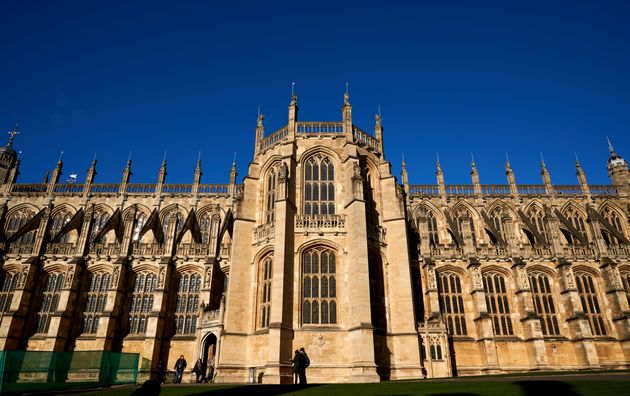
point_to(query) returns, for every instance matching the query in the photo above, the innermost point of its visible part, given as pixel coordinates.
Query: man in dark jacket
(295, 362)
(180, 366)
(304, 363)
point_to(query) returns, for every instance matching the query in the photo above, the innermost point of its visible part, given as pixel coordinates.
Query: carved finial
(164, 159)
(293, 90)
(60, 158)
(234, 161)
(13, 133)
(377, 117)
(403, 159)
(94, 159)
(610, 146)
(472, 161)
(261, 117)
(379, 110)
(437, 163)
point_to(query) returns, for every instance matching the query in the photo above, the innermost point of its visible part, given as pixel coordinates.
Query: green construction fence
(32, 371)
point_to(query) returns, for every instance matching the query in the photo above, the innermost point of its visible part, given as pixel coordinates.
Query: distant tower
(618, 170)
(8, 156)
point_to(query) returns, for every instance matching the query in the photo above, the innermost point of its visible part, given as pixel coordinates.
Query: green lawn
(457, 387)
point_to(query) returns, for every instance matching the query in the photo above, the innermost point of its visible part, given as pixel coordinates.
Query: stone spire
(260, 133)
(545, 176)
(293, 114)
(474, 175)
(56, 174)
(440, 179)
(582, 178)
(378, 134)
(162, 171)
(233, 174)
(346, 112)
(125, 176)
(405, 176)
(510, 176)
(89, 179)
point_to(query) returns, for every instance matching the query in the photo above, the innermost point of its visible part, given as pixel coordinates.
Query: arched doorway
(209, 352)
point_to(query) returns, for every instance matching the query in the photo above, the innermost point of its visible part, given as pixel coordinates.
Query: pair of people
(300, 362)
(200, 371)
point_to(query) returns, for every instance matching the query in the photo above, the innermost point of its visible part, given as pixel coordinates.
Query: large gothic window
(319, 282)
(497, 217)
(590, 303)
(50, 301)
(187, 306)
(8, 283)
(614, 219)
(99, 219)
(96, 299)
(141, 302)
(19, 219)
(319, 186)
(171, 220)
(543, 303)
(432, 225)
(141, 220)
(537, 218)
(265, 290)
(625, 276)
(497, 303)
(58, 220)
(452, 302)
(270, 206)
(578, 222)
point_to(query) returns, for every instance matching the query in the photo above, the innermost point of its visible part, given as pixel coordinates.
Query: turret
(89, 179)
(125, 176)
(474, 175)
(161, 176)
(618, 170)
(233, 174)
(440, 180)
(56, 174)
(544, 173)
(510, 177)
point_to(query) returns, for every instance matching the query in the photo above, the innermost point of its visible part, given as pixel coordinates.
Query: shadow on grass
(537, 388)
(262, 390)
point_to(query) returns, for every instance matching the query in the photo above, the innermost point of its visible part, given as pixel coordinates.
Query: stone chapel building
(320, 247)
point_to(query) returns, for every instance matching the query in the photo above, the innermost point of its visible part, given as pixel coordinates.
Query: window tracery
(614, 219)
(319, 186)
(544, 304)
(497, 303)
(579, 223)
(187, 305)
(58, 220)
(265, 291)
(537, 218)
(99, 219)
(270, 204)
(96, 299)
(319, 280)
(141, 302)
(590, 303)
(50, 301)
(452, 302)
(17, 221)
(8, 284)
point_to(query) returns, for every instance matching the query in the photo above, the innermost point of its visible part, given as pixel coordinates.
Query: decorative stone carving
(115, 277)
(23, 276)
(207, 277)
(431, 283)
(69, 277)
(161, 277)
(477, 278)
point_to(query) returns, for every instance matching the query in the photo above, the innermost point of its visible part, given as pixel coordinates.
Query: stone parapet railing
(504, 190)
(193, 249)
(59, 248)
(446, 251)
(264, 232)
(364, 139)
(320, 223)
(273, 139)
(210, 318)
(105, 249)
(20, 248)
(147, 249)
(318, 128)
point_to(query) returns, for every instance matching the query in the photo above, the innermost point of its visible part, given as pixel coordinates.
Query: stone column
(617, 302)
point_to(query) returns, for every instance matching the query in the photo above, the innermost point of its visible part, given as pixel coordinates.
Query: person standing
(199, 371)
(304, 363)
(210, 376)
(160, 372)
(180, 366)
(296, 367)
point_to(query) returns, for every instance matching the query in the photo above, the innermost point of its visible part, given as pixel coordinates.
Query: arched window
(497, 217)
(99, 219)
(578, 221)
(96, 299)
(19, 219)
(319, 280)
(432, 226)
(265, 290)
(625, 276)
(319, 186)
(537, 218)
(141, 220)
(590, 303)
(8, 283)
(141, 302)
(463, 216)
(58, 220)
(452, 302)
(171, 220)
(50, 301)
(543, 303)
(187, 306)
(270, 206)
(614, 219)
(497, 303)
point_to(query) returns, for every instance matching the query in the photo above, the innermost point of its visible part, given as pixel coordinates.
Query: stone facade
(320, 247)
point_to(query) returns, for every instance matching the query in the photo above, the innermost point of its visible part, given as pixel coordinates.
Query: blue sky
(452, 77)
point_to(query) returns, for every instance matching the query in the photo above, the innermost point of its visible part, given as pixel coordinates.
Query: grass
(463, 387)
